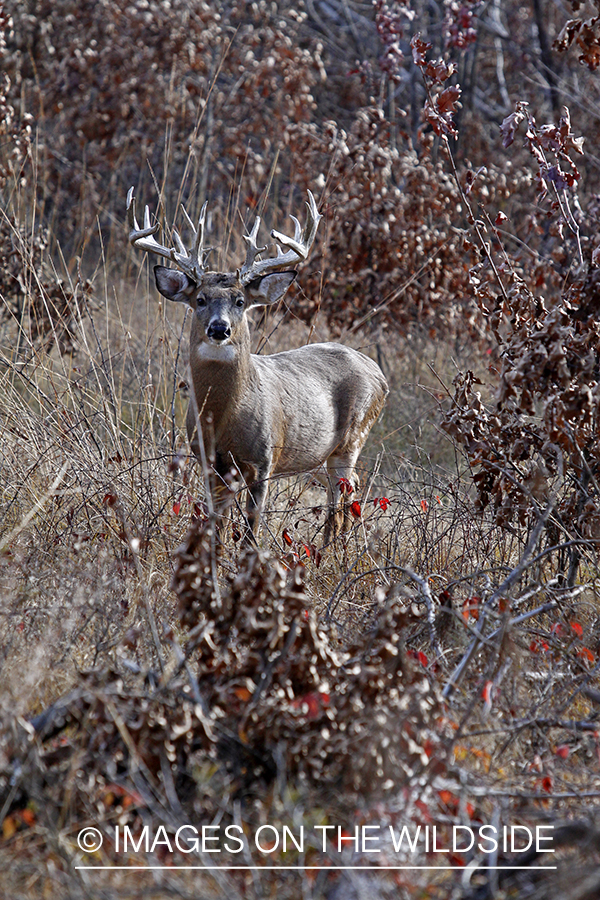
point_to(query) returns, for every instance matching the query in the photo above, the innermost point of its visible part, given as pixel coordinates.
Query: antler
(298, 246)
(192, 261)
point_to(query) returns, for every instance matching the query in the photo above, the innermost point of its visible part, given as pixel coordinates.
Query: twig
(508, 582)
(552, 604)
(426, 592)
(175, 375)
(38, 505)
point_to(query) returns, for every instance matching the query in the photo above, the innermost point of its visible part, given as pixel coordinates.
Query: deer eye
(239, 301)
(201, 301)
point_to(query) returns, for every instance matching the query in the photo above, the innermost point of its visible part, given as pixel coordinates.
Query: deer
(303, 411)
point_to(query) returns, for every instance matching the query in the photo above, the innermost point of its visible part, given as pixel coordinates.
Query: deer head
(221, 299)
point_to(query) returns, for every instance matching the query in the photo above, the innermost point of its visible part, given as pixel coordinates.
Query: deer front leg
(216, 475)
(192, 431)
(341, 482)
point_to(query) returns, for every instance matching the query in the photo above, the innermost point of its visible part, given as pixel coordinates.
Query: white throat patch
(211, 352)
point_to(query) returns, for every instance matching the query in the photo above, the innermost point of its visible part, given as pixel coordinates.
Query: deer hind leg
(340, 473)
(257, 494)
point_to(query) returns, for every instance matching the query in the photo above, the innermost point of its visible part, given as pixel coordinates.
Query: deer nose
(219, 330)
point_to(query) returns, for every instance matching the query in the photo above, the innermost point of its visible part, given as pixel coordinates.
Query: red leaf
(28, 816)
(586, 654)
(577, 629)
(548, 784)
(199, 511)
(355, 509)
(382, 502)
(345, 486)
(314, 701)
(563, 751)
(511, 123)
(440, 71)
(447, 100)
(448, 799)
(424, 810)
(475, 602)
(419, 49)
(287, 537)
(242, 693)
(424, 505)
(419, 656)
(109, 499)
(500, 219)
(177, 507)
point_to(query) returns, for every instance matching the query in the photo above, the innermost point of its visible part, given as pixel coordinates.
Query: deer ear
(270, 288)
(174, 285)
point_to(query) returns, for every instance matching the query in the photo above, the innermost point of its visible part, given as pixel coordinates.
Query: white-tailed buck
(304, 410)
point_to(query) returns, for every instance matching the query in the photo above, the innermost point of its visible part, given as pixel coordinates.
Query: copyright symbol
(89, 840)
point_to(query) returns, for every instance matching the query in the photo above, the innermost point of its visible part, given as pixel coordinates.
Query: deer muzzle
(218, 331)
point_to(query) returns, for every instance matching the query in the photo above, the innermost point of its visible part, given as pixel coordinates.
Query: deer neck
(220, 376)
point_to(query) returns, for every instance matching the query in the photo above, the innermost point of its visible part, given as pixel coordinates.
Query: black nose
(218, 331)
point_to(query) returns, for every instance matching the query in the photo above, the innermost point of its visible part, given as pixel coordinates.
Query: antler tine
(143, 238)
(293, 243)
(253, 248)
(199, 254)
(302, 241)
(191, 262)
(298, 246)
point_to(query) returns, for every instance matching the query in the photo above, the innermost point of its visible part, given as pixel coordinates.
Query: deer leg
(221, 497)
(257, 494)
(192, 431)
(215, 475)
(218, 492)
(340, 474)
